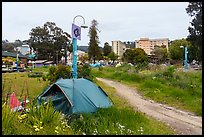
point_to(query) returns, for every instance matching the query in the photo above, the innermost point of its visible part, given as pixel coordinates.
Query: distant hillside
(83, 48)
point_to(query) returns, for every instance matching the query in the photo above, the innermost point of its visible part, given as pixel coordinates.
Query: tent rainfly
(75, 96)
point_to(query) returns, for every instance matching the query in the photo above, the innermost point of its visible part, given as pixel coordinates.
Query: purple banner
(76, 32)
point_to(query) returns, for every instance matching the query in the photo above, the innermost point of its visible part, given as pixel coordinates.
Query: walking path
(184, 123)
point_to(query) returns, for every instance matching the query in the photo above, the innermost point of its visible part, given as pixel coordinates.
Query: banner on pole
(76, 32)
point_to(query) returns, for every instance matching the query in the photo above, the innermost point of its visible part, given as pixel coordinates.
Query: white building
(118, 48)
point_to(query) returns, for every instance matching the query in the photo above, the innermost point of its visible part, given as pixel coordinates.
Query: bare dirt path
(184, 123)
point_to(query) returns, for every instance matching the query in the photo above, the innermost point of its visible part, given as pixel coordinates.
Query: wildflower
(67, 126)
(23, 116)
(37, 129)
(81, 118)
(35, 126)
(95, 132)
(129, 131)
(19, 117)
(83, 133)
(41, 127)
(56, 132)
(57, 128)
(106, 132)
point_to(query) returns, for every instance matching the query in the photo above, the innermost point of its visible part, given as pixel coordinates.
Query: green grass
(43, 120)
(120, 119)
(20, 83)
(182, 91)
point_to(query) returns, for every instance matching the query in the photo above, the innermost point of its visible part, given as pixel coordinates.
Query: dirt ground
(183, 122)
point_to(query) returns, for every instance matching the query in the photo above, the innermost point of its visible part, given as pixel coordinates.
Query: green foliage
(48, 39)
(194, 10)
(100, 68)
(94, 51)
(106, 49)
(169, 72)
(39, 120)
(112, 56)
(141, 66)
(8, 47)
(62, 71)
(8, 118)
(114, 121)
(43, 113)
(57, 72)
(175, 51)
(135, 56)
(84, 71)
(165, 85)
(35, 74)
(160, 53)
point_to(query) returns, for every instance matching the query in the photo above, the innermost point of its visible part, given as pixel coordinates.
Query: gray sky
(125, 21)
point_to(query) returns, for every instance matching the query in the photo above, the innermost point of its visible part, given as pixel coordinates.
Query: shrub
(141, 66)
(168, 73)
(84, 71)
(60, 71)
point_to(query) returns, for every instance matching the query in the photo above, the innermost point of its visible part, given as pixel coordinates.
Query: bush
(84, 71)
(169, 72)
(141, 66)
(57, 72)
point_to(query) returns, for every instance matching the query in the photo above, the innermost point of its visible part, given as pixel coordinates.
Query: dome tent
(75, 96)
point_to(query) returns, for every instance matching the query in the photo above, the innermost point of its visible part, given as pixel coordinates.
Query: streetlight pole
(186, 57)
(17, 62)
(76, 34)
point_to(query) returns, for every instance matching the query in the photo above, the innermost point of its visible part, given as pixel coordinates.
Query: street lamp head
(83, 26)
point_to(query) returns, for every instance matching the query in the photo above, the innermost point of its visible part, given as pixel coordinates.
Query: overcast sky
(117, 20)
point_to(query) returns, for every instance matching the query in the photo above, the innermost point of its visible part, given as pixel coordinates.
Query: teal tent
(75, 96)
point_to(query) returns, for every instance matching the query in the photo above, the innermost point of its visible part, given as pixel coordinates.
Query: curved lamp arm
(83, 26)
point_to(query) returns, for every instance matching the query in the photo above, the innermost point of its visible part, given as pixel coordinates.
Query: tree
(136, 55)
(48, 39)
(106, 49)
(160, 53)
(8, 47)
(94, 51)
(112, 56)
(175, 51)
(194, 10)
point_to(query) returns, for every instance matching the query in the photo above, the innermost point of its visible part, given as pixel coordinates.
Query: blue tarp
(76, 96)
(95, 65)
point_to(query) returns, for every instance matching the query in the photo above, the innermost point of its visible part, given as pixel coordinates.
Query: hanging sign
(76, 32)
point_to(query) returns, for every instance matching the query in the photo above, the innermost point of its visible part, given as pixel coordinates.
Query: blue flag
(76, 32)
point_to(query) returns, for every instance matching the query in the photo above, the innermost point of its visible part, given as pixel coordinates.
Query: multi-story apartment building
(118, 48)
(148, 45)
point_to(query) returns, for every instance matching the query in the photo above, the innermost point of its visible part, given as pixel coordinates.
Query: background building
(118, 48)
(148, 45)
